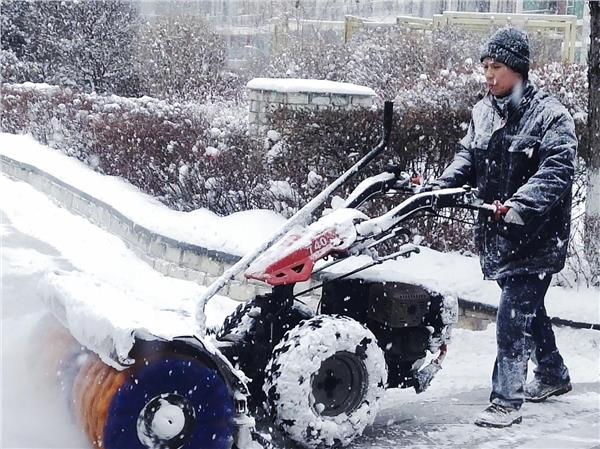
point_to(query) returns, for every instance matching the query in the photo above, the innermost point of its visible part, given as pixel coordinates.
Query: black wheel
(253, 330)
(324, 381)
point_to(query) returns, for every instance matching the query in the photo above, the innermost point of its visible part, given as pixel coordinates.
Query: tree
(592, 209)
(86, 44)
(28, 31)
(12, 20)
(98, 45)
(181, 57)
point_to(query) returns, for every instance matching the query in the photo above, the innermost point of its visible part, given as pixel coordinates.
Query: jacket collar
(519, 100)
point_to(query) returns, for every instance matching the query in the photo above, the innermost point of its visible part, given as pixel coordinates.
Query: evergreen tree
(86, 44)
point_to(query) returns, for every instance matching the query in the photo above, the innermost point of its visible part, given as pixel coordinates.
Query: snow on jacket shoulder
(527, 161)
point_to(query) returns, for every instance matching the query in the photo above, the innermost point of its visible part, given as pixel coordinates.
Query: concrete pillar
(519, 7)
(267, 95)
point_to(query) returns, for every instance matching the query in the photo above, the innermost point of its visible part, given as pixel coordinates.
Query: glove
(501, 210)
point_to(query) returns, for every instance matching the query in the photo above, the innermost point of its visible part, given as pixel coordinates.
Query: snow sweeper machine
(314, 375)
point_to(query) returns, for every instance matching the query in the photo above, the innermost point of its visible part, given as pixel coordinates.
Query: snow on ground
(448, 273)
(567, 422)
(32, 412)
(103, 299)
(442, 417)
(38, 237)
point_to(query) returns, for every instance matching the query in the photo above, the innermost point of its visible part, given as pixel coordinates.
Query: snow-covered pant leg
(550, 367)
(521, 298)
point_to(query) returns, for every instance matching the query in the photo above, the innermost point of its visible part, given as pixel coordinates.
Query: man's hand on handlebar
(501, 210)
(506, 213)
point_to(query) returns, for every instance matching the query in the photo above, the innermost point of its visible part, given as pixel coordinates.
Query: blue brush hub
(175, 402)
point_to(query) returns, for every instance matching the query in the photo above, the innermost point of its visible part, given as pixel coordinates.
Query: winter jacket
(525, 159)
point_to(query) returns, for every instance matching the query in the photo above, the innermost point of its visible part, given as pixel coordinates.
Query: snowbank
(308, 85)
(105, 294)
(448, 273)
(235, 234)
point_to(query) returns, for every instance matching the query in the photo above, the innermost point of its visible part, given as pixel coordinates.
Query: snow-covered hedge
(154, 144)
(193, 155)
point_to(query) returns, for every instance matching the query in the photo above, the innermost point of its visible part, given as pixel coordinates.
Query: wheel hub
(339, 385)
(166, 422)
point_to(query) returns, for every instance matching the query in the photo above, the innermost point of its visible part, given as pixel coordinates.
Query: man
(520, 153)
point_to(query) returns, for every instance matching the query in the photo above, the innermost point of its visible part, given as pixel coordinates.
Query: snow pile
(104, 305)
(308, 85)
(108, 320)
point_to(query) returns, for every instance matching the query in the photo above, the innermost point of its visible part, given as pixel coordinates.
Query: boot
(538, 391)
(498, 416)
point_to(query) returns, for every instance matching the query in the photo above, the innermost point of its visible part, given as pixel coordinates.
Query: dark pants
(522, 327)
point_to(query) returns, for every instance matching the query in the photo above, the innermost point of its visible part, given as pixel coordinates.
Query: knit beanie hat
(510, 47)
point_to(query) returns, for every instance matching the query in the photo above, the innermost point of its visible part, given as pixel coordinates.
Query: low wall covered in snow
(183, 260)
(170, 257)
(269, 94)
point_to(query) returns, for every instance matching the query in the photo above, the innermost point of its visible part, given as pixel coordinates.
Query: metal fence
(260, 25)
(571, 33)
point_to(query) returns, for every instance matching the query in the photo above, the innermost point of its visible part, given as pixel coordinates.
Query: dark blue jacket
(525, 159)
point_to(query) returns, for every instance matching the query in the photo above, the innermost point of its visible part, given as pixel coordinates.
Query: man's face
(499, 78)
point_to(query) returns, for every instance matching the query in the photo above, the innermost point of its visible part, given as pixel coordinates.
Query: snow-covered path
(38, 237)
(568, 422)
(33, 413)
